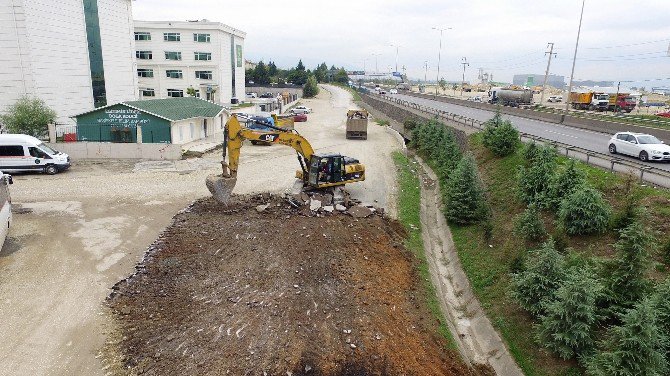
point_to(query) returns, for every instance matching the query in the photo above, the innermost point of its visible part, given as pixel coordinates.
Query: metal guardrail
(585, 154)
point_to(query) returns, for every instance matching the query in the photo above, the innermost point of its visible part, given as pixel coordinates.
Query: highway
(585, 139)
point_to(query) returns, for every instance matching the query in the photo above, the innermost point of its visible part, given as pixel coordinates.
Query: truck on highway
(621, 102)
(510, 97)
(357, 124)
(589, 100)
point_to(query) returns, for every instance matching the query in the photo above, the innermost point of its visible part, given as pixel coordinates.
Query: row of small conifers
(606, 314)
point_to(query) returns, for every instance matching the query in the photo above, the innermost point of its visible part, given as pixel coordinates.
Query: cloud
(504, 37)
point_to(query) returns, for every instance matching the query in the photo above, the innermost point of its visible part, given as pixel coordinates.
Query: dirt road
(85, 229)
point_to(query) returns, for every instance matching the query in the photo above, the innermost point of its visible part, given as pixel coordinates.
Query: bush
(501, 137)
(568, 326)
(665, 251)
(529, 224)
(625, 274)
(661, 302)
(631, 210)
(534, 180)
(410, 124)
(564, 184)
(311, 88)
(464, 194)
(584, 211)
(28, 116)
(635, 348)
(530, 151)
(543, 272)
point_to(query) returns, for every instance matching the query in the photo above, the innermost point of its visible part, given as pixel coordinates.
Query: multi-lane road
(582, 138)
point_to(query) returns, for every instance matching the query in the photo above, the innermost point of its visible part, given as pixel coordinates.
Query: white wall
(214, 127)
(118, 50)
(44, 53)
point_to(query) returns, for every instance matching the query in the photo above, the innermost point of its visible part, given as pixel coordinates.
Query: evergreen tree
(568, 326)
(301, 66)
(272, 69)
(320, 72)
(542, 274)
(311, 88)
(661, 304)
(626, 280)
(529, 224)
(261, 75)
(534, 180)
(464, 195)
(564, 184)
(584, 212)
(530, 151)
(446, 156)
(249, 75)
(636, 348)
(502, 139)
(341, 76)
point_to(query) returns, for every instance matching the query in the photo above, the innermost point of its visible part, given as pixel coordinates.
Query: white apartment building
(73, 54)
(173, 56)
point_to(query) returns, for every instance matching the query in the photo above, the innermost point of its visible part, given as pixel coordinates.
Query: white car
(301, 110)
(639, 145)
(393, 91)
(555, 98)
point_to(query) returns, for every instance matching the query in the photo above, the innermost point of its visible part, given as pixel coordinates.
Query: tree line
(267, 74)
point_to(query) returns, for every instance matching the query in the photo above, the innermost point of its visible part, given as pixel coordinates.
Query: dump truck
(357, 124)
(510, 97)
(621, 102)
(589, 100)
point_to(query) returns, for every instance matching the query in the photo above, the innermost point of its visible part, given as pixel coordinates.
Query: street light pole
(465, 62)
(425, 73)
(396, 55)
(376, 68)
(439, 56)
(574, 58)
(546, 74)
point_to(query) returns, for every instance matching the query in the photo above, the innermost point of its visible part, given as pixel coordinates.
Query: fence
(645, 172)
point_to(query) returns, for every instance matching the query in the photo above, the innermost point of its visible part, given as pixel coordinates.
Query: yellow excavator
(316, 171)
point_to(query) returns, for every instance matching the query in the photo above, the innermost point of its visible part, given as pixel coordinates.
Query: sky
(625, 41)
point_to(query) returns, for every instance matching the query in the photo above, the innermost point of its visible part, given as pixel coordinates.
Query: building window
(148, 93)
(142, 35)
(203, 55)
(201, 38)
(171, 55)
(145, 72)
(173, 73)
(144, 55)
(175, 93)
(203, 75)
(95, 60)
(171, 37)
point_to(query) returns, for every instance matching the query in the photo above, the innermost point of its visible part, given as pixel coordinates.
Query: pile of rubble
(327, 203)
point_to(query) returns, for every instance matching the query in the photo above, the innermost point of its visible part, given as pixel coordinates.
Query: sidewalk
(203, 145)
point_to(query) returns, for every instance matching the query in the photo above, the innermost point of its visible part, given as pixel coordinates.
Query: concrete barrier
(109, 150)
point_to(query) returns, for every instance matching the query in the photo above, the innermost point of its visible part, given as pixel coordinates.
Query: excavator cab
(328, 170)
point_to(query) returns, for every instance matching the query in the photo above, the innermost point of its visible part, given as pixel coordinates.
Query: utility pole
(376, 68)
(396, 55)
(439, 56)
(574, 58)
(425, 73)
(464, 62)
(546, 74)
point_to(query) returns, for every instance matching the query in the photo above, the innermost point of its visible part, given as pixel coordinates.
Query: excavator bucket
(221, 187)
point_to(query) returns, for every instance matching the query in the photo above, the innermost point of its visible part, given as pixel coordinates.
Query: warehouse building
(169, 120)
(199, 58)
(73, 54)
(538, 79)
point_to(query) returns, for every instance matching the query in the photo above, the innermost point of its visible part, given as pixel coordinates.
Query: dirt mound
(243, 291)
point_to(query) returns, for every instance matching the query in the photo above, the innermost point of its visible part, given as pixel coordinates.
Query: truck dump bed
(357, 124)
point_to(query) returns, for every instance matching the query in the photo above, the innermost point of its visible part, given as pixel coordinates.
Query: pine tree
(500, 136)
(636, 348)
(625, 275)
(534, 180)
(563, 184)
(311, 88)
(447, 156)
(567, 328)
(661, 303)
(584, 211)
(544, 270)
(529, 224)
(464, 195)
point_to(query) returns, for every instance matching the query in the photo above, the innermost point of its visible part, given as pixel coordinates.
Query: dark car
(299, 117)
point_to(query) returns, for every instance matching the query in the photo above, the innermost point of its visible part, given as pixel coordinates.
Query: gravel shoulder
(83, 230)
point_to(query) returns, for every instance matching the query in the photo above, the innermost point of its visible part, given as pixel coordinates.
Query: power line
(623, 45)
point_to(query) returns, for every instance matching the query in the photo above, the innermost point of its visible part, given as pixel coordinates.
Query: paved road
(582, 138)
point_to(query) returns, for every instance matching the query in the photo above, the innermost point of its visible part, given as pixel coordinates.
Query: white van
(6, 206)
(19, 152)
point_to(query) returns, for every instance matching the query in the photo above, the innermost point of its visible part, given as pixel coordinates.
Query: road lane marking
(561, 134)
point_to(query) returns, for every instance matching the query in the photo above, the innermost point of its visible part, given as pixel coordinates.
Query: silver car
(639, 145)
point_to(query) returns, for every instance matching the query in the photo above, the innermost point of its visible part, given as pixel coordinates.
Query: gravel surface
(83, 230)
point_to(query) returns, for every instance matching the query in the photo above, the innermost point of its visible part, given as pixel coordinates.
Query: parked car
(639, 145)
(664, 114)
(382, 92)
(299, 117)
(252, 95)
(300, 110)
(267, 95)
(20, 152)
(393, 91)
(5, 206)
(555, 98)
